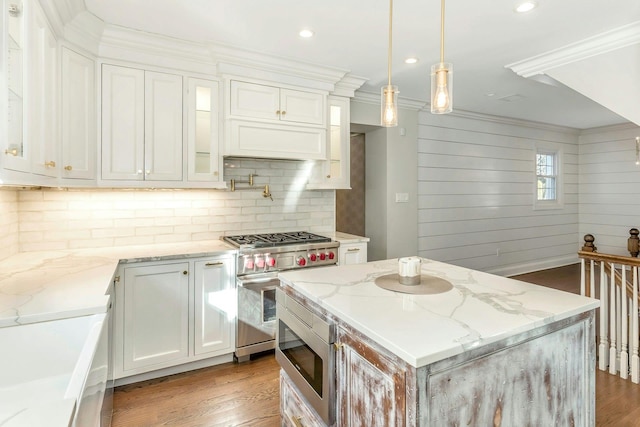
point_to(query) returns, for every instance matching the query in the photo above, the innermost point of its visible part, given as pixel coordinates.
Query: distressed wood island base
(490, 352)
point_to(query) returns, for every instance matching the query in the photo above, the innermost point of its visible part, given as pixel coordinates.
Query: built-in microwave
(305, 351)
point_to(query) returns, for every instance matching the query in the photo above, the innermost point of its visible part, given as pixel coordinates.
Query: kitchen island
(487, 350)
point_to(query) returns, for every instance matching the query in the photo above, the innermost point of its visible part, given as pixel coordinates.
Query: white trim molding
(607, 41)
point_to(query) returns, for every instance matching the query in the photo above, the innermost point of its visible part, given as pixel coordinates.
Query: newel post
(632, 242)
(588, 243)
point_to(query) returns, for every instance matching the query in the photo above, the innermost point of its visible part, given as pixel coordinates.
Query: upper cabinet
(42, 89)
(78, 144)
(31, 69)
(334, 170)
(274, 122)
(141, 125)
(203, 131)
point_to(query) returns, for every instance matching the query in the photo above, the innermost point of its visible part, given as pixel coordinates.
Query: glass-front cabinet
(14, 152)
(203, 135)
(334, 171)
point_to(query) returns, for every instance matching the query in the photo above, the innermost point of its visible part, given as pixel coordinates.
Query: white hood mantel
(604, 68)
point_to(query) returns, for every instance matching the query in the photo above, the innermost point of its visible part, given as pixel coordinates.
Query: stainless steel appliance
(305, 352)
(260, 258)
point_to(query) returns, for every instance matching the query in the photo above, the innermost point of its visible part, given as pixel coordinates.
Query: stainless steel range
(260, 258)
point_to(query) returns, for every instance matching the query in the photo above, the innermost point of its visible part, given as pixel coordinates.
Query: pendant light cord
(442, 32)
(390, 35)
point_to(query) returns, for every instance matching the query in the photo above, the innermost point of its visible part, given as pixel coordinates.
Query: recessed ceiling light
(305, 33)
(411, 60)
(526, 6)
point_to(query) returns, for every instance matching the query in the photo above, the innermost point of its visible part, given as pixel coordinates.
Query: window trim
(555, 150)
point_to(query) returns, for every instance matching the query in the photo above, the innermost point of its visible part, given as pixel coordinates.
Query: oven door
(309, 362)
(256, 325)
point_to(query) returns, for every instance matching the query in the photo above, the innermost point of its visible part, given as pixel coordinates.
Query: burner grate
(275, 239)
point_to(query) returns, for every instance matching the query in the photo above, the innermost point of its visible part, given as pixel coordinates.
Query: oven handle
(259, 283)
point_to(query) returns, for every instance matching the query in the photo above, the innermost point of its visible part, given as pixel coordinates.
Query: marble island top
(421, 329)
(51, 285)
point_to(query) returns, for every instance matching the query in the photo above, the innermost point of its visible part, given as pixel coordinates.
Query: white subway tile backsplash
(53, 219)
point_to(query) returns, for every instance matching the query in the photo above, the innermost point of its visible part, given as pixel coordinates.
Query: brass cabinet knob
(283, 113)
(185, 272)
(278, 112)
(50, 164)
(68, 168)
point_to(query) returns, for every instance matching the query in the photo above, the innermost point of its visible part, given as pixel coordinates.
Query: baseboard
(191, 366)
(513, 270)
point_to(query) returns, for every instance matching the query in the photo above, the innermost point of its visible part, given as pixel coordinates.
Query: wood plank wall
(609, 186)
(476, 194)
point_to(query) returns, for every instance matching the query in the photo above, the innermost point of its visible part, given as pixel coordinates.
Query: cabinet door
(78, 116)
(352, 253)
(302, 107)
(14, 148)
(203, 131)
(215, 306)
(42, 94)
(162, 126)
(370, 387)
(122, 123)
(254, 101)
(156, 315)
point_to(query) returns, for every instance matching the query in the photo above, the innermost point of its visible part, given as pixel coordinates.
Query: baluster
(624, 321)
(635, 358)
(592, 278)
(612, 321)
(632, 242)
(603, 359)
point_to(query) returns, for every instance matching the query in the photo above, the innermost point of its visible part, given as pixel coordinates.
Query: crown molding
(374, 99)
(348, 85)
(512, 122)
(234, 60)
(122, 43)
(611, 128)
(85, 30)
(596, 45)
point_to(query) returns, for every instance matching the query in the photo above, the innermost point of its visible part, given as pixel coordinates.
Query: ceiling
(482, 36)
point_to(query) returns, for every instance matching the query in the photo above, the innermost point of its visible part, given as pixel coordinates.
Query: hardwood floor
(247, 394)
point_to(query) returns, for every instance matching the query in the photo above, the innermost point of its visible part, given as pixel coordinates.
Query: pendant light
(441, 78)
(389, 102)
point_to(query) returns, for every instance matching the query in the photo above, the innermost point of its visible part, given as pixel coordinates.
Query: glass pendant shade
(441, 88)
(389, 110)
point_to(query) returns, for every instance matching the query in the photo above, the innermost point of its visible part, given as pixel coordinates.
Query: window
(547, 176)
(548, 180)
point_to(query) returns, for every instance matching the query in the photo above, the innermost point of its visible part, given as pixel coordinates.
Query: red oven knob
(301, 262)
(260, 262)
(271, 262)
(323, 256)
(313, 257)
(331, 255)
(248, 264)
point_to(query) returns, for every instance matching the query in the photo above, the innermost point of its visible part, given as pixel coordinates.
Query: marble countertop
(479, 309)
(42, 286)
(346, 237)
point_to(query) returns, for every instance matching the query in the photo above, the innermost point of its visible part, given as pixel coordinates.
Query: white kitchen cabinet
(334, 171)
(78, 144)
(171, 313)
(141, 125)
(42, 94)
(257, 101)
(14, 147)
(204, 162)
(154, 301)
(352, 253)
(273, 122)
(215, 306)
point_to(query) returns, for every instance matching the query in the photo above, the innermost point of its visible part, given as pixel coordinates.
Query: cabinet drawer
(293, 409)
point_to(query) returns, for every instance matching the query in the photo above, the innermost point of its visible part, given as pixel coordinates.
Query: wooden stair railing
(618, 317)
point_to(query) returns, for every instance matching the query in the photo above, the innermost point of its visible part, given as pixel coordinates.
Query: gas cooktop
(275, 239)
